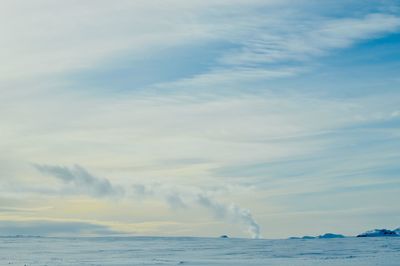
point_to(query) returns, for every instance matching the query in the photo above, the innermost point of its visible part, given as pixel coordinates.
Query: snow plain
(198, 251)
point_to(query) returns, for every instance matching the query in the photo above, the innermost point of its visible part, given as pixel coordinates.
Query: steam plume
(175, 197)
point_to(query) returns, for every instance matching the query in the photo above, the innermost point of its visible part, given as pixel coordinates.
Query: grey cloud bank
(81, 179)
(53, 228)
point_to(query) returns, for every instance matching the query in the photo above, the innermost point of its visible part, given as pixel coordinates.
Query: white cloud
(298, 40)
(43, 38)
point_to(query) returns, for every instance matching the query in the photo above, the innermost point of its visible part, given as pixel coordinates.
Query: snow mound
(380, 232)
(324, 236)
(330, 235)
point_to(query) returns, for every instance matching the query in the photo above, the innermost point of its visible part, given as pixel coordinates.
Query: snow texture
(33, 251)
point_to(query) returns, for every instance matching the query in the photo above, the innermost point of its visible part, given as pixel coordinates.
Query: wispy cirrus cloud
(302, 41)
(250, 34)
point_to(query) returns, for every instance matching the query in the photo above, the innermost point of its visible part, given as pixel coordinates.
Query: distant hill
(324, 236)
(370, 233)
(380, 233)
(330, 235)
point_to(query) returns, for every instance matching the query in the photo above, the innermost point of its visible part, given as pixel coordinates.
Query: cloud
(64, 38)
(23, 210)
(173, 198)
(250, 32)
(81, 179)
(269, 47)
(310, 38)
(52, 228)
(395, 114)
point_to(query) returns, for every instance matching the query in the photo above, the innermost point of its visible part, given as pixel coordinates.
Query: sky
(250, 118)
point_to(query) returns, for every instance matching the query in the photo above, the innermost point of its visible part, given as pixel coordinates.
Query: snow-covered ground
(199, 251)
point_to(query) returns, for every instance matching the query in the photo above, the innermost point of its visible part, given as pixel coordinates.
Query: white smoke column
(246, 217)
(231, 212)
(183, 197)
(175, 197)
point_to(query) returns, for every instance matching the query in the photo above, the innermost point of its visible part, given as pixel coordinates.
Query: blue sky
(248, 118)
